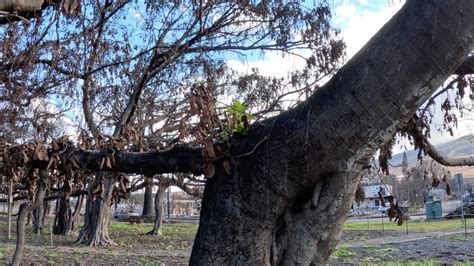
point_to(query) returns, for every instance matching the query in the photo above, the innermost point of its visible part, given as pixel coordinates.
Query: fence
(414, 223)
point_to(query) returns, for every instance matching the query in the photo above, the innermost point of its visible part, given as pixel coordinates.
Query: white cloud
(64, 125)
(343, 13)
(359, 24)
(273, 64)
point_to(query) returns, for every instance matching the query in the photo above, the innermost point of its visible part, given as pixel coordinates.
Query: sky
(358, 21)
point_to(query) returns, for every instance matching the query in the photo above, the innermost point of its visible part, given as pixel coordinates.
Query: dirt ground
(174, 247)
(133, 247)
(445, 250)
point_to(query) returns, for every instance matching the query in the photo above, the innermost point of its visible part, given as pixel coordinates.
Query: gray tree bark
(46, 210)
(20, 5)
(15, 10)
(286, 201)
(148, 198)
(25, 209)
(95, 231)
(38, 212)
(159, 210)
(73, 226)
(63, 217)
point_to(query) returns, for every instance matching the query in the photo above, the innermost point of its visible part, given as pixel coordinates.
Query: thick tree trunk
(95, 231)
(25, 209)
(160, 195)
(148, 198)
(293, 176)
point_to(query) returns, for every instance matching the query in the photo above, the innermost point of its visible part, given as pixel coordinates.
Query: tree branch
(179, 158)
(15, 10)
(415, 131)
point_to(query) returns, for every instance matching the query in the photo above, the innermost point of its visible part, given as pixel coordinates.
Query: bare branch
(432, 151)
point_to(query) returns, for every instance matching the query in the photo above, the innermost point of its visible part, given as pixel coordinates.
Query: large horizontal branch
(24, 6)
(179, 158)
(15, 10)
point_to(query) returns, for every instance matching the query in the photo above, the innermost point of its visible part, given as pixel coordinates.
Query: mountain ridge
(463, 146)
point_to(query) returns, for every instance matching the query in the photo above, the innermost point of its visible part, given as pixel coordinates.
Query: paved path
(405, 238)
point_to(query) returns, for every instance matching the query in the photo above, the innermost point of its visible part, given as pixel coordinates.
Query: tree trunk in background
(38, 212)
(46, 211)
(293, 177)
(66, 222)
(25, 209)
(148, 198)
(95, 231)
(29, 218)
(63, 217)
(73, 226)
(159, 211)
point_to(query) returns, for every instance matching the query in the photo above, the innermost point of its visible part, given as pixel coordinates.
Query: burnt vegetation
(147, 89)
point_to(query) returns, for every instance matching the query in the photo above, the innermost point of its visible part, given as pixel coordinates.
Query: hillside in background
(463, 146)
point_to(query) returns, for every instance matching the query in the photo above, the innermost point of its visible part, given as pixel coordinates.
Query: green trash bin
(433, 209)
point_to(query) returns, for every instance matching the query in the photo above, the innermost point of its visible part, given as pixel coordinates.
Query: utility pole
(408, 208)
(169, 205)
(10, 203)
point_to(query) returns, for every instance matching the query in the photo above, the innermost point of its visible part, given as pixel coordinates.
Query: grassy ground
(133, 247)
(423, 253)
(174, 246)
(176, 236)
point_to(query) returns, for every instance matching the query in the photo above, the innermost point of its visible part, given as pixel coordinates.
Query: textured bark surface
(159, 211)
(25, 6)
(73, 227)
(179, 158)
(95, 231)
(25, 209)
(46, 210)
(15, 10)
(467, 67)
(63, 217)
(38, 211)
(148, 198)
(286, 201)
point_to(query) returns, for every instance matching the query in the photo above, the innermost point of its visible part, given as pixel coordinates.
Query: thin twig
(253, 150)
